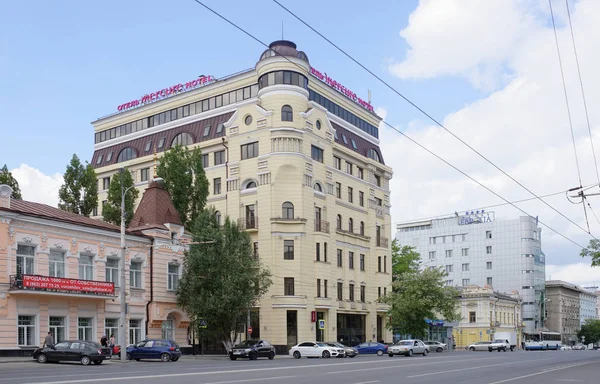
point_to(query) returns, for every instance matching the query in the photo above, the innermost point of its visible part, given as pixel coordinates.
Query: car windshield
(247, 343)
(404, 342)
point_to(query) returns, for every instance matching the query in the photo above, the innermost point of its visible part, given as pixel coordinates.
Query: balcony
(248, 223)
(353, 234)
(322, 226)
(48, 285)
(288, 220)
(382, 242)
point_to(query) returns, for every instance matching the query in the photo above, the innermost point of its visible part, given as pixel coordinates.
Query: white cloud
(522, 126)
(579, 273)
(37, 186)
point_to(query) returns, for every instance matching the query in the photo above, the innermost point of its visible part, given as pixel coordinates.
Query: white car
(408, 348)
(315, 349)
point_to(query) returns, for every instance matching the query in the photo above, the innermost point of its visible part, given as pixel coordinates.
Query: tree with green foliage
(592, 251)
(404, 259)
(7, 178)
(79, 193)
(418, 296)
(111, 211)
(184, 178)
(591, 331)
(221, 278)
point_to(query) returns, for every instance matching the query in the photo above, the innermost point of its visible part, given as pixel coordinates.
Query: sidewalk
(28, 359)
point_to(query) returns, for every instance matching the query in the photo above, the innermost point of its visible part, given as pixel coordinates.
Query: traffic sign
(250, 330)
(203, 323)
(321, 324)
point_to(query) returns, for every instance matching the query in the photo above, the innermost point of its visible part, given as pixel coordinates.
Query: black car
(85, 352)
(252, 349)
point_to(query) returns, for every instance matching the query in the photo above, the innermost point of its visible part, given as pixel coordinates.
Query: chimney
(5, 194)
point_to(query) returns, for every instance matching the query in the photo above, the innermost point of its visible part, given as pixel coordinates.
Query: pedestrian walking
(49, 340)
(104, 341)
(112, 341)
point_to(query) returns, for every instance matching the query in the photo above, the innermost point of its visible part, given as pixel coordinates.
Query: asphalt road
(459, 367)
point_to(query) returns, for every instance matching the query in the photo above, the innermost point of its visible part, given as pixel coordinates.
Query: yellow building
(487, 315)
(294, 156)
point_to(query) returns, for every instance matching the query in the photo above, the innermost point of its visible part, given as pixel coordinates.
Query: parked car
(479, 346)
(85, 352)
(372, 348)
(408, 348)
(165, 350)
(348, 351)
(579, 347)
(314, 349)
(566, 348)
(252, 349)
(500, 345)
(435, 345)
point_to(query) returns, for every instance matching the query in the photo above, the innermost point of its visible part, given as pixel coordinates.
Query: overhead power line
(406, 136)
(435, 120)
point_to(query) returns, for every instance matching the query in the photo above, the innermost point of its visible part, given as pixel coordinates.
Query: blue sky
(66, 63)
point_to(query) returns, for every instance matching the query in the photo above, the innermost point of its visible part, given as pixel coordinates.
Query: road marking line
(543, 372)
(250, 380)
(471, 368)
(369, 382)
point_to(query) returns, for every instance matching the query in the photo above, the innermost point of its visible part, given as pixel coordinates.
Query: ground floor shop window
(351, 329)
(57, 327)
(111, 327)
(26, 330)
(292, 328)
(84, 328)
(135, 331)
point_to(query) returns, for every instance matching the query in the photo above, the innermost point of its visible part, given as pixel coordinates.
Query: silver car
(408, 348)
(348, 351)
(480, 346)
(436, 345)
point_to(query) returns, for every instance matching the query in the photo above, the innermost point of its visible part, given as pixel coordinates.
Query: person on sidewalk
(104, 341)
(49, 340)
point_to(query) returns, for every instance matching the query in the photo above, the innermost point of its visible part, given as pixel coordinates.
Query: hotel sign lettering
(341, 89)
(68, 285)
(167, 92)
(476, 217)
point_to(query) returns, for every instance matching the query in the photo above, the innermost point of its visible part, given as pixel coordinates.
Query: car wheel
(42, 358)
(439, 349)
(351, 356)
(137, 359)
(297, 355)
(271, 355)
(175, 359)
(165, 357)
(233, 358)
(380, 353)
(390, 354)
(472, 349)
(85, 360)
(425, 352)
(253, 356)
(410, 352)
(326, 354)
(128, 356)
(97, 362)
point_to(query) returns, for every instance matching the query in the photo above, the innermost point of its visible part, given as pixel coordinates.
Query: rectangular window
(472, 317)
(337, 162)
(489, 281)
(249, 150)
(449, 283)
(378, 292)
(488, 265)
(488, 249)
(351, 260)
(431, 255)
(378, 180)
(361, 198)
(362, 293)
(205, 160)
(338, 190)
(111, 328)
(359, 173)
(448, 253)
(105, 183)
(362, 262)
(255, 250)
(339, 257)
(220, 157)
(325, 252)
(217, 186)
(488, 234)
(135, 331)
(348, 168)
(449, 268)
(350, 194)
(378, 202)
(351, 292)
(112, 271)
(465, 267)
(316, 153)
(378, 263)
(466, 282)
(56, 264)
(86, 267)
(288, 249)
(465, 252)
(325, 288)
(135, 274)
(26, 331)
(84, 328)
(384, 291)
(340, 291)
(463, 237)
(432, 240)
(173, 277)
(57, 327)
(288, 286)
(318, 287)
(144, 174)
(318, 252)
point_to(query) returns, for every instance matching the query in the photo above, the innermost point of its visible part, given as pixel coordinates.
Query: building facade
(564, 309)
(477, 249)
(588, 302)
(60, 272)
(487, 315)
(294, 156)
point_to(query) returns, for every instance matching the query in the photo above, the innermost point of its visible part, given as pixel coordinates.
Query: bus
(542, 341)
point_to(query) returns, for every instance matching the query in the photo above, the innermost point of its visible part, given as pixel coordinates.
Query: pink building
(60, 271)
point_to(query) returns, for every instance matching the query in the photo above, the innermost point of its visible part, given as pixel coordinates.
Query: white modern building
(587, 305)
(476, 249)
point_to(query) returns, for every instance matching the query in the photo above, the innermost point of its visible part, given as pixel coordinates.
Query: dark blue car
(372, 348)
(165, 350)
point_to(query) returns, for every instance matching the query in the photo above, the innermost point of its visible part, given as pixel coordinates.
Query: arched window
(374, 155)
(127, 154)
(250, 184)
(287, 210)
(339, 222)
(182, 139)
(287, 114)
(362, 228)
(218, 217)
(350, 225)
(318, 187)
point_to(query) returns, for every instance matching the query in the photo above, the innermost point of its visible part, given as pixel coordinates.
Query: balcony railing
(60, 284)
(248, 222)
(382, 242)
(322, 226)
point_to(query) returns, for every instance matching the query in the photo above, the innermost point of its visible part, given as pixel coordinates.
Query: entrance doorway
(351, 329)
(167, 327)
(255, 323)
(292, 328)
(379, 328)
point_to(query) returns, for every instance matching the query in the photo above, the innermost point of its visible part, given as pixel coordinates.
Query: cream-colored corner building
(294, 156)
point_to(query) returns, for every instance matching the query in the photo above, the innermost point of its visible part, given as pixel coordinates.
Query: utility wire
(414, 141)
(437, 122)
(594, 213)
(587, 116)
(562, 75)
